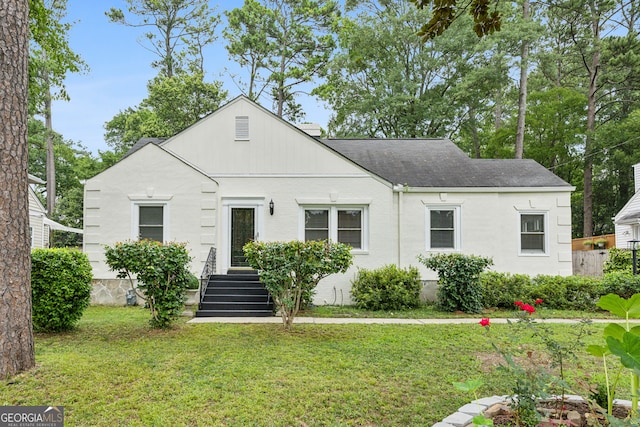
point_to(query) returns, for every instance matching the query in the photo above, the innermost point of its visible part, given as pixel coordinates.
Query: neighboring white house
(40, 225)
(242, 173)
(627, 221)
(38, 230)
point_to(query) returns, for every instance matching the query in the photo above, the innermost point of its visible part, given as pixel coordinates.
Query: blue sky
(119, 69)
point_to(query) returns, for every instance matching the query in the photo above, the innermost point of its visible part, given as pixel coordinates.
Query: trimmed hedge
(501, 290)
(61, 288)
(387, 288)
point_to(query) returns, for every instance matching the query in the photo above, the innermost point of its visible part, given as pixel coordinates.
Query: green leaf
(628, 350)
(619, 306)
(598, 350)
(469, 386)
(614, 330)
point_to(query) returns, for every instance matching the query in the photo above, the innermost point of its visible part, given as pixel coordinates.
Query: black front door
(243, 229)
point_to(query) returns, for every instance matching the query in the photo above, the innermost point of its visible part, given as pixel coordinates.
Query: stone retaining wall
(114, 292)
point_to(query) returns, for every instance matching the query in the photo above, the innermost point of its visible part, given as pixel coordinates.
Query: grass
(114, 370)
(430, 311)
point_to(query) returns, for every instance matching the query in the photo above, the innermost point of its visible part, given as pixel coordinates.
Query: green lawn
(429, 311)
(113, 371)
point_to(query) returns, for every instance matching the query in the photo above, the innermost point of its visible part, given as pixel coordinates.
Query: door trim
(228, 203)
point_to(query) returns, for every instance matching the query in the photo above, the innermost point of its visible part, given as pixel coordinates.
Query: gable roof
(141, 143)
(440, 163)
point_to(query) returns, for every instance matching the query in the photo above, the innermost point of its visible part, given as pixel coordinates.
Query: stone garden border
(463, 416)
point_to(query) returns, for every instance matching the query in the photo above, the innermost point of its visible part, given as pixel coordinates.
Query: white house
(38, 229)
(242, 173)
(627, 221)
(40, 225)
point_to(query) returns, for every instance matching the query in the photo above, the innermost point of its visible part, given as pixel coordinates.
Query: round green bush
(387, 288)
(61, 288)
(193, 282)
(458, 280)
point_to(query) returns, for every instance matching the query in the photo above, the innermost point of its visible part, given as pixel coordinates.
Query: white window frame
(135, 216)
(333, 223)
(545, 219)
(229, 203)
(457, 227)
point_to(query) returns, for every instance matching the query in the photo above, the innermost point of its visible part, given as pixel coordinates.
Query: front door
(243, 230)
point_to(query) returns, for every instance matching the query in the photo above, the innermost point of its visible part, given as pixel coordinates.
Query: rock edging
(485, 406)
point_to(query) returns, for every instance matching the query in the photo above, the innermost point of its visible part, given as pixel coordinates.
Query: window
(151, 223)
(443, 228)
(242, 128)
(341, 224)
(532, 233)
(316, 224)
(350, 227)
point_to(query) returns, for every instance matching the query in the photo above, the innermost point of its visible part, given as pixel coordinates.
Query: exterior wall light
(271, 205)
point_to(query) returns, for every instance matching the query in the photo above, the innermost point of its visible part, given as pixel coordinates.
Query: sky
(119, 69)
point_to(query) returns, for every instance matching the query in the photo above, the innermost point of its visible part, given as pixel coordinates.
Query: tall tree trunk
(522, 97)
(593, 69)
(474, 132)
(51, 161)
(280, 89)
(16, 332)
(498, 122)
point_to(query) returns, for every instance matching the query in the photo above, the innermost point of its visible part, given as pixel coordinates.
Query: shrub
(291, 270)
(193, 282)
(61, 288)
(387, 288)
(567, 292)
(558, 292)
(500, 290)
(161, 271)
(459, 282)
(619, 260)
(620, 283)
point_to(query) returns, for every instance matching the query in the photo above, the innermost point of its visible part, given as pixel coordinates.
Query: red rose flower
(539, 301)
(485, 322)
(528, 308)
(519, 303)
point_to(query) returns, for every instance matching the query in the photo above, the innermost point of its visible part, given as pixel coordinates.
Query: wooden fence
(589, 263)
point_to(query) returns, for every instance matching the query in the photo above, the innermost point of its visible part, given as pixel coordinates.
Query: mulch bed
(569, 413)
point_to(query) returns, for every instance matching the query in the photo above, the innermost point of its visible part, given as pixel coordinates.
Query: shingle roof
(141, 143)
(440, 163)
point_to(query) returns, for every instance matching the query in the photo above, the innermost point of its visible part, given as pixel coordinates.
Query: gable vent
(242, 127)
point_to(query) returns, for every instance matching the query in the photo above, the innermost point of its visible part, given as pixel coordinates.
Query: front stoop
(238, 294)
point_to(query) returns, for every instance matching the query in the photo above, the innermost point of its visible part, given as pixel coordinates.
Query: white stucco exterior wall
(149, 176)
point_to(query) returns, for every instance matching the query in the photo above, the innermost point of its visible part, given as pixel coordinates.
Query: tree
(288, 40)
(384, 82)
(485, 20)
(291, 270)
(16, 329)
(249, 44)
(177, 31)
(51, 59)
(161, 272)
(73, 164)
(173, 104)
(607, 72)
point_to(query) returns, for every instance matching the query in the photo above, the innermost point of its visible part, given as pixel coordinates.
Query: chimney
(636, 177)
(312, 129)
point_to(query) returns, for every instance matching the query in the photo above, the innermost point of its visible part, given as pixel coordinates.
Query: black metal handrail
(207, 271)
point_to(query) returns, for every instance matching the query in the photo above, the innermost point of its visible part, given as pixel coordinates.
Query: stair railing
(208, 270)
